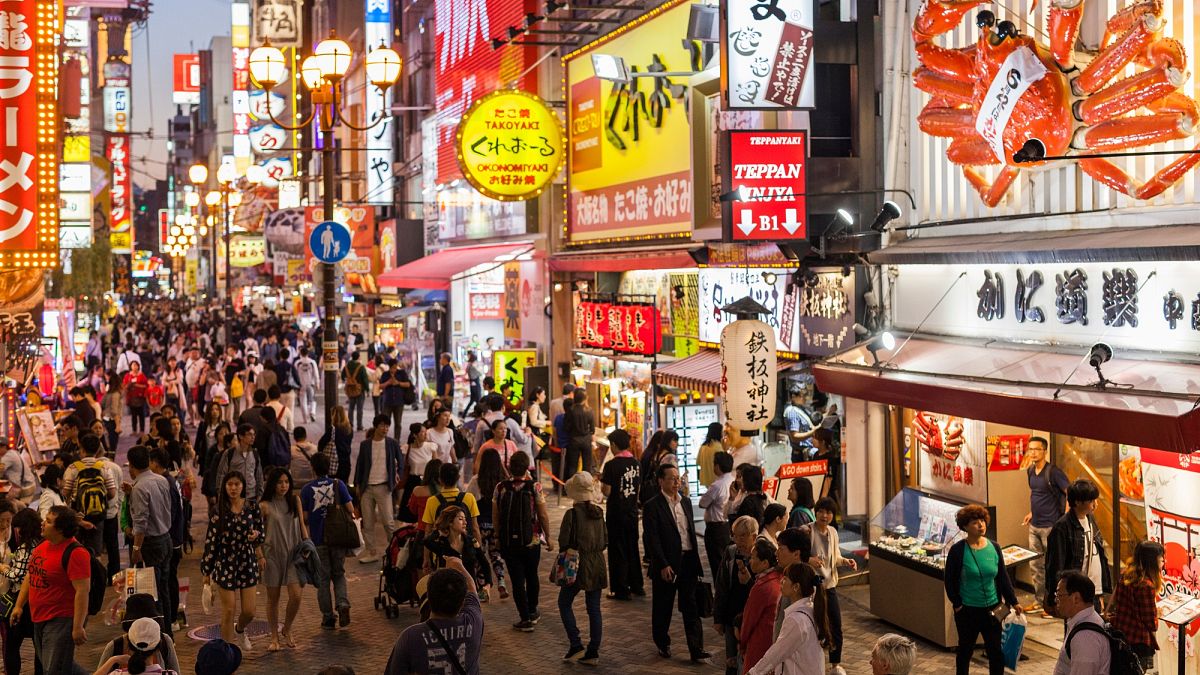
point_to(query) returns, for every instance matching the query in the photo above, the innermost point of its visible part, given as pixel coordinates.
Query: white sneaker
(835, 669)
(369, 559)
(246, 643)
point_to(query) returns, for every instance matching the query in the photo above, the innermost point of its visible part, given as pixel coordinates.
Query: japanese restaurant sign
(766, 54)
(29, 155)
(952, 454)
(767, 168)
(120, 212)
(619, 327)
(509, 145)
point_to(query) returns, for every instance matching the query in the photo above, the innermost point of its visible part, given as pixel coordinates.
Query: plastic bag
(206, 597)
(1013, 639)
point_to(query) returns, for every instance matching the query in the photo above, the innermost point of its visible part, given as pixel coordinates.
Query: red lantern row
(622, 328)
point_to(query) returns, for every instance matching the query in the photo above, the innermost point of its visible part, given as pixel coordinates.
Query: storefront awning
(700, 372)
(1151, 403)
(405, 312)
(627, 260)
(1132, 244)
(434, 272)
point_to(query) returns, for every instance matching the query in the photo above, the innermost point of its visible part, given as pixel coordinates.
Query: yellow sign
(297, 272)
(630, 168)
(247, 251)
(508, 367)
(120, 240)
(191, 275)
(77, 149)
(510, 145)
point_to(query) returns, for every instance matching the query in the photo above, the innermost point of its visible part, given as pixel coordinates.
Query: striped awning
(700, 372)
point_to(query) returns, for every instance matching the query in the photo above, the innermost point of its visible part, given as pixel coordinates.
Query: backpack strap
(458, 667)
(1083, 626)
(66, 557)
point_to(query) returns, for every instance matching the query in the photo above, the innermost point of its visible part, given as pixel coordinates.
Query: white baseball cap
(144, 634)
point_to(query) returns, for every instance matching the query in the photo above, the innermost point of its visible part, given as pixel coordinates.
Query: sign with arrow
(766, 169)
(508, 367)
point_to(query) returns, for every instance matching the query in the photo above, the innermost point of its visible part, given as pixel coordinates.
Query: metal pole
(212, 233)
(228, 318)
(329, 339)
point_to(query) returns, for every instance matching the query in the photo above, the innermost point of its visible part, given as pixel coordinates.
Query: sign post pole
(327, 286)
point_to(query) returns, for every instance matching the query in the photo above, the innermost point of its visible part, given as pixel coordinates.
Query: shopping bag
(140, 580)
(359, 549)
(1013, 639)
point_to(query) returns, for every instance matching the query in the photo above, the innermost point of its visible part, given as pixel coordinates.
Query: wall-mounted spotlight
(887, 214)
(497, 43)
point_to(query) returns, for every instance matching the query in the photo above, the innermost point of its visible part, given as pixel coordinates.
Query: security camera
(1099, 354)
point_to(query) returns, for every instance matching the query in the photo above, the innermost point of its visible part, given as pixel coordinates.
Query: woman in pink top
(500, 442)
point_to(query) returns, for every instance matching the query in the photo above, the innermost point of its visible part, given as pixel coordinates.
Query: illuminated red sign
(622, 328)
(487, 305)
(120, 212)
(767, 169)
(187, 73)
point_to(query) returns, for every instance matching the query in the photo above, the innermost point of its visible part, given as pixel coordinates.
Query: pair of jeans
(971, 622)
(356, 411)
(111, 547)
(92, 539)
(624, 563)
(308, 403)
(834, 605)
(663, 605)
(377, 508)
(333, 570)
(156, 553)
(14, 637)
(138, 414)
(523, 576)
(566, 598)
(396, 412)
(54, 646)
(1038, 536)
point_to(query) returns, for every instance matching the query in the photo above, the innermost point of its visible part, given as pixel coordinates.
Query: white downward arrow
(747, 223)
(789, 222)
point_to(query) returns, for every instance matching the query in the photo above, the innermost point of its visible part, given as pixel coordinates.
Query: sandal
(273, 647)
(287, 639)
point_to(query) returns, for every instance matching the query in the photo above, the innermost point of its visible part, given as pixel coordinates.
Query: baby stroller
(401, 570)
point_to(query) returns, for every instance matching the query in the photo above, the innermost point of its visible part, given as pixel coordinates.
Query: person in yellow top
(450, 496)
(704, 459)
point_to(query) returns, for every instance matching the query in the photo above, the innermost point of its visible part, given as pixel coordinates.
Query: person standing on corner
(1075, 544)
(717, 536)
(378, 469)
(1047, 503)
(580, 428)
(620, 481)
(669, 535)
(827, 557)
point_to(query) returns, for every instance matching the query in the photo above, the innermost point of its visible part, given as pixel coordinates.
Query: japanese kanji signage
(508, 367)
(510, 145)
(620, 327)
(630, 166)
(487, 305)
(377, 31)
(749, 374)
(277, 21)
(952, 454)
(768, 170)
(29, 144)
(766, 54)
(824, 306)
(719, 286)
(240, 96)
(120, 213)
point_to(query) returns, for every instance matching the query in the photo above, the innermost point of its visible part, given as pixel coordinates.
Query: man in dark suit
(669, 537)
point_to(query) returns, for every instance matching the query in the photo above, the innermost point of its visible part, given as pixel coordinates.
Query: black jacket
(753, 505)
(1064, 551)
(730, 592)
(661, 538)
(579, 423)
(954, 566)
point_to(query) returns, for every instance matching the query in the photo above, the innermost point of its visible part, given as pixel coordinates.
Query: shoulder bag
(340, 528)
(458, 666)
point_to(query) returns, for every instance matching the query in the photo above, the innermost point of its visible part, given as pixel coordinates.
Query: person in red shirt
(137, 388)
(56, 592)
(758, 617)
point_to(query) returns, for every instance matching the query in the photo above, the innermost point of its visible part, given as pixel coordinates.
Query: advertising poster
(1007, 452)
(767, 53)
(1172, 494)
(685, 316)
(952, 454)
(630, 167)
(508, 367)
(720, 286)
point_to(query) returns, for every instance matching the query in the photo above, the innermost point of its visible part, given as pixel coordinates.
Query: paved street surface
(367, 642)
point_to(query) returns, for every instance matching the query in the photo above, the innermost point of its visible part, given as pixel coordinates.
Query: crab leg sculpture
(1072, 109)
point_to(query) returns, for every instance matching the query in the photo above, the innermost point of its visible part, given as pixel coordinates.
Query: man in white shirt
(127, 357)
(716, 526)
(309, 375)
(1086, 650)
(377, 471)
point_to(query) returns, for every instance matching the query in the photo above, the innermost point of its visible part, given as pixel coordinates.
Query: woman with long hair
(206, 433)
(801, 495)
(210, 483)
(144, 637)
(427, 488)
(26, 535)
(451, 538)
(489, 472)
(335, 444)
(285, 529)
(1132, 610)
(417, 454)
(661, 450)
(233, 556)
(112, 408)
(797, 649)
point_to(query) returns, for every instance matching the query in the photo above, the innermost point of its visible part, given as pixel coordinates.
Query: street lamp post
(322, 73)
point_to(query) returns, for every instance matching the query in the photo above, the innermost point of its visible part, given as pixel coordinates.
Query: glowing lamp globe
(267, 66)
(383, 67)
(748, 368)
(333, 58)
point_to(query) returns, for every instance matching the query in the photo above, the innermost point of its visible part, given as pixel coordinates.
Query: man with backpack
(449, 496)
(150, 510)
(355, 377)
(1047, 502)
(1087, 649)
(376, 473)
(90, 487)
(522, 528)
(278, 450)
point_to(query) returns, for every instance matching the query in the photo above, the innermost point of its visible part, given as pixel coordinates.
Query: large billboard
(629, 149)
(381, 183)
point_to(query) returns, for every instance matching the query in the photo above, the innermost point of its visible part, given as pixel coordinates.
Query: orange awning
(434, 272)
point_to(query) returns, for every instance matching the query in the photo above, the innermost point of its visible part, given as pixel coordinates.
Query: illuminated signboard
(187, 79)
(768, 169)
(380, 178)
(510, 145)
(121, 193)
(766, 55)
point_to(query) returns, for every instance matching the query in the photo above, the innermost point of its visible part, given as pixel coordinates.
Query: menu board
(691, 423)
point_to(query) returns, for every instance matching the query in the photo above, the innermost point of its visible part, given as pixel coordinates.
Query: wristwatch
(137, 548)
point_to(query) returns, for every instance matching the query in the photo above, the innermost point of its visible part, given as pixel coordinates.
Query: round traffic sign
(329, 241)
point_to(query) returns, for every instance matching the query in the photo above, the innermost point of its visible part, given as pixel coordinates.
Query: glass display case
(918, 527)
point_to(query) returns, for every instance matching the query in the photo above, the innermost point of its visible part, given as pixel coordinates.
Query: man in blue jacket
(378, 469)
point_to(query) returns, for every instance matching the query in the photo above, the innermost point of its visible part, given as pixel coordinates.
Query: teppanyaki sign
(767, 169)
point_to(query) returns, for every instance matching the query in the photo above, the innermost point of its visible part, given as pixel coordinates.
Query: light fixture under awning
(1014, 385)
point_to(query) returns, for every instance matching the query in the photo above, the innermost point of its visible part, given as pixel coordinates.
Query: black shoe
(591, 658)
(664, 652)
(343, 616)
(573, 653)
(535, 617)
(523, 626)
(701, 657)
(623, 597)
(328, 623)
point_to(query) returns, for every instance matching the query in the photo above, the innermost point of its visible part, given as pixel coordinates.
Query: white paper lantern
(748, 370)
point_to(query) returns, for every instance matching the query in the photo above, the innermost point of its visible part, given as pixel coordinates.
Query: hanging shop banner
(264, 104)
(622, 328)
(240, 96)
(297, 273)
(487, 305)
(512, 301)
(120, 213)
(508, 367)
(766, 54)
(719, 286)
(22, 295)
(767, 169)
(377, 30)
(467, 67)
(388, 250)
(247, 250)
(952, 451)
(824, 307)
(116, 108)
(630, 170)
(685, 317)
(267, 138)
(509, 145)
(277, 21)
(29, 190)
(187, 79)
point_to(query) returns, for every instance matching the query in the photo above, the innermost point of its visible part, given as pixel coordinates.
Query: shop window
(1102, 463)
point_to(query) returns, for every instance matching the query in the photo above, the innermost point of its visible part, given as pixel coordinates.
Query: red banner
(622, 328)
(487, 305)
(187, 73)
(803, 469)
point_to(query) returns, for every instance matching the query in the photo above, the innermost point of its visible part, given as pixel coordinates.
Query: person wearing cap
(144, 636)
(140, 606)
(583, 531)
(218, 657)
(798, 421)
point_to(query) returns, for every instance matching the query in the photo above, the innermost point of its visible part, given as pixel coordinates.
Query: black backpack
(279, 448)
(1122, 659)
(513, 514)
(99, 583)
(443, 504)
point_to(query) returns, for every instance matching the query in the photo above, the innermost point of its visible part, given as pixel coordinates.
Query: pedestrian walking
(474, 375)
(137, 607)
(316, 499)
(708, 450)
(827, 558)
(620, 481)
(309, 376)
(335, 444)
(795, 546)
(732, 581)
(112, 407)
(376, 473)
(354, 377)
(582, 531)
(483, 487)
(451, 538)
(430, 485)
(1047, 503)
(25, 533)
(1086, 649)
(1075, 543)
(452, 639)
(800, 493)
(1133, 610)
(893, 654)
(747, 493)
(660, 450)
(758, 616)
(976, 583)
(398, 392)
(244, 458)
(522, 528)
(499, 441)
(89, 486)
(150, 509)
(55, 593)
(797, 649)
(136, 387)
(284, 529)
(218, 657)
(233, 556)
(144, 637)
(669, 535)
(580, 427)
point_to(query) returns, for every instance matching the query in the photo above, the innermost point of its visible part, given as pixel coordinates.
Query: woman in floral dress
(233, 555)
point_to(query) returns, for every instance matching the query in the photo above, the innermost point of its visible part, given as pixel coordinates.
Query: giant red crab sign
(1006, 94)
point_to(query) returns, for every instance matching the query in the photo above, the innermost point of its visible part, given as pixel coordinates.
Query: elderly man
(893, 655)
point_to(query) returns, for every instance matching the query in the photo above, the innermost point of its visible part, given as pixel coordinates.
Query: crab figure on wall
(1007, 95)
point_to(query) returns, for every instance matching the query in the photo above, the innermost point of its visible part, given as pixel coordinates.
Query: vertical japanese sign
(512, 301)
(28, 146)
(767, 168)
(277, 21)
(508, 367)
(120, 213)
(766, 55)
(187, 79)
(380, 178)
(240, 98)
(117, 97)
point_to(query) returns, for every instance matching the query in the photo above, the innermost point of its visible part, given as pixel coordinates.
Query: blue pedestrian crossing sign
(329, 241)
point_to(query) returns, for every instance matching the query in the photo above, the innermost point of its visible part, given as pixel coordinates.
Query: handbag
(141, 580)
(7, 602)
(566, 568)
(340, 528)
(704, 599)
(236, 388)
